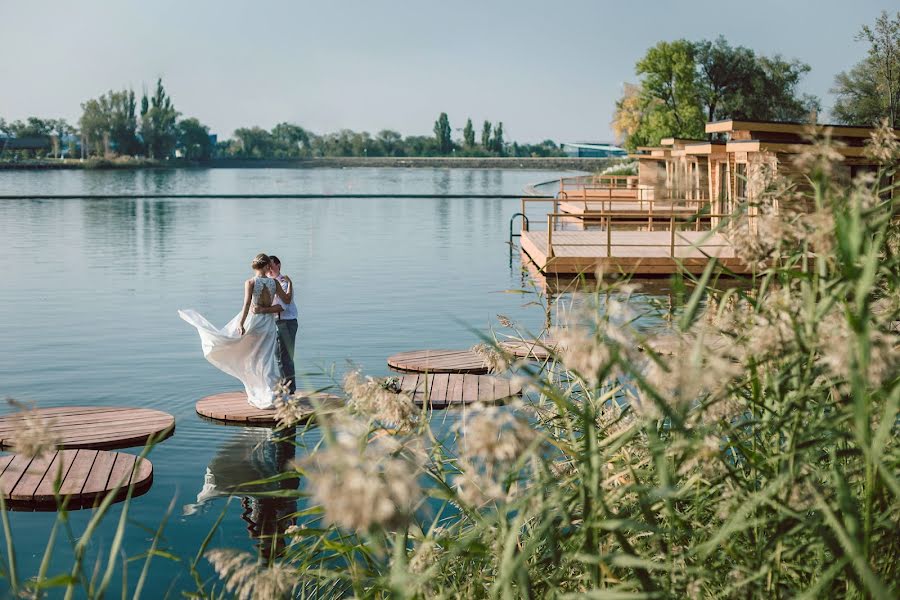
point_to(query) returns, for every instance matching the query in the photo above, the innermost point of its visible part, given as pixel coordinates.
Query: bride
(246, 347)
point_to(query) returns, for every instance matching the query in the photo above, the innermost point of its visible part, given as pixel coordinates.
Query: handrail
(672, 217)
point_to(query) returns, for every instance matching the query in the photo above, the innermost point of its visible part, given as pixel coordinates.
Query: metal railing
(674, 219)
(620, 181)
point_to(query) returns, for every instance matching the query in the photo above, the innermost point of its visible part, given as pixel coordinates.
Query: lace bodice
(261, 284)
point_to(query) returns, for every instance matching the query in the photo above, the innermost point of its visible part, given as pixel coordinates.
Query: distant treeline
(117, 125)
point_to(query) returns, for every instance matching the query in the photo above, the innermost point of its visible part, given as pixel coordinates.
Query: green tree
(684, 84)
(121, 110)
(193, 140)
(870, 91)
(159, 123)
(486, 135)
(442, 133)
(469, 134)
(254, 142)
(391, 142)
(94, 125)
(497, 144)
(291, 141)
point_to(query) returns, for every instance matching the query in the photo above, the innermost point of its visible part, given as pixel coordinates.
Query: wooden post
(608, 236)
(672, 235)
(550, 218)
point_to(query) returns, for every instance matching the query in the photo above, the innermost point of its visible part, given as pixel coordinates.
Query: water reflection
(254, 454)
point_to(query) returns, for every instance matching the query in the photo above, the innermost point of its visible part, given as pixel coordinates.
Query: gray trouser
(287, 336)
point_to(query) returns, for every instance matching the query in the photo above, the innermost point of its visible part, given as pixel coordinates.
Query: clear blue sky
(546, 69)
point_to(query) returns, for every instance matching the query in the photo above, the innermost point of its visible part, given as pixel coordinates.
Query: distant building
(593, 150)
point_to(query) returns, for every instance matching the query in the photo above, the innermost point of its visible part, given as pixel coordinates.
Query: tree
(683, 84)
(871, 90)
(486, 135)
(193, 140)
(120, 108)
(291, 141)
(391, 142)
(469, 134)
(442, 133)
(254, 142)
(159, 123)
(59, 129)
(94, 125)
(497, 144)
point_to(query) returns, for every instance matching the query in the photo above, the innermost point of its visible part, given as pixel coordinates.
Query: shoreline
(343, 162)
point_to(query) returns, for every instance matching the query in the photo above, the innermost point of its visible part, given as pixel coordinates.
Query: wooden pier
(632, 252)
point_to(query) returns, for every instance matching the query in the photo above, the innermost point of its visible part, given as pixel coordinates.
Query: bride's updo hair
(260, 261)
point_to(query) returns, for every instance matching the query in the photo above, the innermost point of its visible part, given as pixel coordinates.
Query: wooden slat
(121, 471)
(485, 389)
(13, 472)
(233, 406)
(32, 477)
(98, 478)
(60, 466)
(455, 389)
(78, 472)
(470, 388)
(439, 389)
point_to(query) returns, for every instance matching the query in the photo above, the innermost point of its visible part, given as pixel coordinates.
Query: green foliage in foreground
(749, 452)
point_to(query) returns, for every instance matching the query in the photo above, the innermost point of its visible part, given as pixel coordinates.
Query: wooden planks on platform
(442, 390)
(539, 349)
(632, 252)
(97, 427)
(233, 407)
(438, 361)
(84, 476)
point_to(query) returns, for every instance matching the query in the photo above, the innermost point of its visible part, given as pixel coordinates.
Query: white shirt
(290, 310)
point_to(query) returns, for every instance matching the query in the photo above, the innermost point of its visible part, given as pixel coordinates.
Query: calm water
(91, 289)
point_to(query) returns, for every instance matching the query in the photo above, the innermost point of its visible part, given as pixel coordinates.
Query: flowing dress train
(251, 357)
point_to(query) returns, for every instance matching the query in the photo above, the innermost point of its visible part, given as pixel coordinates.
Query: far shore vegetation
(682, 84)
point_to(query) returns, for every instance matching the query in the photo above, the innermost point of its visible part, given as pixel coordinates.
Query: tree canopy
(683, 84)
(870, 91)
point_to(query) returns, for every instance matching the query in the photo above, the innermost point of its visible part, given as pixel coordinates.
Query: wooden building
(663, 219)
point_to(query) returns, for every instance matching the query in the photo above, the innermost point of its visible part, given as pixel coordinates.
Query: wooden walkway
(85, 476)
(97, 427)
(442, 390)
(438, 361)
(633, 252)
(232, 407)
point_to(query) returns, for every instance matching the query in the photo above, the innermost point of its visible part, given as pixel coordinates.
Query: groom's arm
(275, 308)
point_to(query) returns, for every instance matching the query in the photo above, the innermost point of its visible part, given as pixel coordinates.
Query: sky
(545, 69)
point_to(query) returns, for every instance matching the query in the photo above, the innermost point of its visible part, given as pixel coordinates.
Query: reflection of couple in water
(256, 346)
(253, 454)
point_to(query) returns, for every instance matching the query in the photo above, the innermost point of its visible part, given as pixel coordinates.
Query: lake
(91, 289)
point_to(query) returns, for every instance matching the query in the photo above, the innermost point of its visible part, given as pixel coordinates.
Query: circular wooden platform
(438, 361)
(539, 349)
(97, 427)
(87, 477)
(232, 407)
(442, 390)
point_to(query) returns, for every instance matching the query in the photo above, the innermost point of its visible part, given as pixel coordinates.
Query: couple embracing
(257, 346)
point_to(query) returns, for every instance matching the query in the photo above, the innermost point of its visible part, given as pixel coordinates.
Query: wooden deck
(97, 427)
(438, 361)
(443, 390)
(633, 252)
(232, 407)
(85, 476)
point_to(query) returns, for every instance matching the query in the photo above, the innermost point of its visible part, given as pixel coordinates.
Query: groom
(287, 324)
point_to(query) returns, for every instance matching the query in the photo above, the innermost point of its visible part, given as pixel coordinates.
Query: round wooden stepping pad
(86, 476)
(233, 407)
(97, 427)
(455, 389)
(438, 361)
(539, 349)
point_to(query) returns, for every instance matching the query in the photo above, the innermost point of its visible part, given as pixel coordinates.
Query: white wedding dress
(250, 357)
